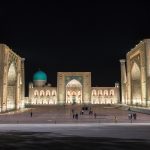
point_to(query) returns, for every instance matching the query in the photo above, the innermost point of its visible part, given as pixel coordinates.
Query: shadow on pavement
(46, 141)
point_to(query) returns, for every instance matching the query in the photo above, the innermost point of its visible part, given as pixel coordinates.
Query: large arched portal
(135, 84)
(74, 92)
(11, 79)
(11, 87)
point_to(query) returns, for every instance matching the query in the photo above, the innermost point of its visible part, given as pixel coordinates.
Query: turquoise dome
(40, 75)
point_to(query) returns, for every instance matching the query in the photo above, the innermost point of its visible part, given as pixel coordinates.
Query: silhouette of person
(31, 113)
(95, 115)
(76, 116)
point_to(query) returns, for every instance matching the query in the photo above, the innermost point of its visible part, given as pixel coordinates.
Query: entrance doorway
(74, 92)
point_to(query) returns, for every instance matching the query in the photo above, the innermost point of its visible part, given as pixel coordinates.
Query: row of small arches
(73, 93)
(44, 93)
(104, 101)
(102, 92)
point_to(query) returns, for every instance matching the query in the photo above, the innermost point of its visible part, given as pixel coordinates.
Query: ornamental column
(123, 81)
(22, 81)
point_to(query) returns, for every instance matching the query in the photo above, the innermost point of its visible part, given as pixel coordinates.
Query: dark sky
(74, 36)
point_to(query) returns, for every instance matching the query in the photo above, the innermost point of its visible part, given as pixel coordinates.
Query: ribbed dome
(40, 75)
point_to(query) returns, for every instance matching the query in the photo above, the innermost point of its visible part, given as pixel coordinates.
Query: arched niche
(11, 86)
(74, 92)
(135, 84)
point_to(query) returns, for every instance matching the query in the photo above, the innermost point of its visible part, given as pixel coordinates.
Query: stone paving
(52, 127)
(63, 114)
(44, 141)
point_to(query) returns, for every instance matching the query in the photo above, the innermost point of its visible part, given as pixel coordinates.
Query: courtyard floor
(103, 136)
(63, 114)
(53, 127)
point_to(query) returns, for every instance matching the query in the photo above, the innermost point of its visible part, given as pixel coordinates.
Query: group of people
(75, 116)
(132, 116)
(82, 112)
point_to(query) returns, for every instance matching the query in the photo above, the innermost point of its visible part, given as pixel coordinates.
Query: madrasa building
(75, 87)
(72, 88)
(135, 75)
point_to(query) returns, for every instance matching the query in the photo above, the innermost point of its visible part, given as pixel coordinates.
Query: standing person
(129, 116)
(77, 116)
(31, 113)
(134, 116)
(116, 119)
(82, 112)
(73, 116)
(95, 115)
(72, 111)
(90, 112)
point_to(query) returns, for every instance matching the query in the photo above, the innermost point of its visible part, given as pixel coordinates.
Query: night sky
(74, 36)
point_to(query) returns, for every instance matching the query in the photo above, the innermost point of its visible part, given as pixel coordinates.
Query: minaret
(23, 78)
(117, 91)
(123, 81)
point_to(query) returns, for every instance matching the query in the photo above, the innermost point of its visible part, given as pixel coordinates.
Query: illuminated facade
(75, 87)
(72, 88)
(135, 75)
(11, 79)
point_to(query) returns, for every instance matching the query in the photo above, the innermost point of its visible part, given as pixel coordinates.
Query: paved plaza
(64, 114)
(103, 130)
(120, 136)
(53, 127)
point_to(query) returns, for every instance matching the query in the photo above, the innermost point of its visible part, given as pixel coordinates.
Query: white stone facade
(11, 79)
(105, 95)
(73, 87)
(135, 75)
(42, 95)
